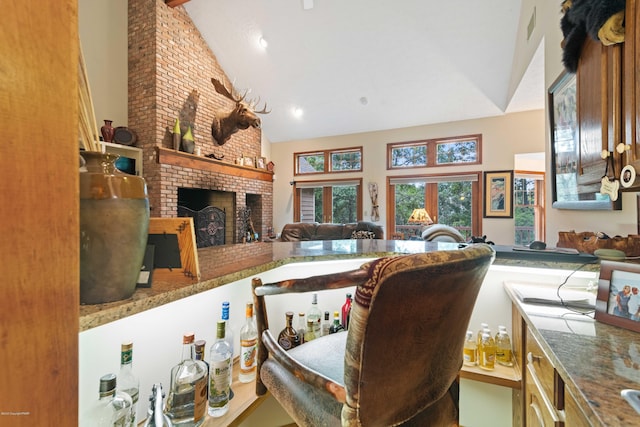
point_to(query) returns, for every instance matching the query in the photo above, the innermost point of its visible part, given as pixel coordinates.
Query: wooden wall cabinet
(608, 90)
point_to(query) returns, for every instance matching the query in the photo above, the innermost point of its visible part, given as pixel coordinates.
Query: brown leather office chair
(398, 363)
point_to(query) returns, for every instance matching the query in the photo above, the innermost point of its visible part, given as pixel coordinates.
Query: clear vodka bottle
(187, 401)
(219, 373)
(128, 382)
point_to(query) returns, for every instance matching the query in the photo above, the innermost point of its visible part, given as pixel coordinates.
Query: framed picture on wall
(498, 194)
(261, 162)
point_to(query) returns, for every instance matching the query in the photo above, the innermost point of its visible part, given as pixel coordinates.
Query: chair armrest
(301, 372)
(315, 283)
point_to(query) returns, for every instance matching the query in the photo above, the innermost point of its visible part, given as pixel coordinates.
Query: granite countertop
(595, 360)
(255, 258)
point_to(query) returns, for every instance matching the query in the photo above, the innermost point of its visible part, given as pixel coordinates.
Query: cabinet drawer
(539, 410)
(539, 365)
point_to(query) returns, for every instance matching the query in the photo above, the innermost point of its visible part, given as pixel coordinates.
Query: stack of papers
(545, 295)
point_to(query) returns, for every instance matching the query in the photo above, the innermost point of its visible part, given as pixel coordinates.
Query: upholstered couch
(301, 231)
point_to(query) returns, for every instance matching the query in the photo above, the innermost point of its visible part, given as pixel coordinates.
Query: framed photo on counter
(618, 300)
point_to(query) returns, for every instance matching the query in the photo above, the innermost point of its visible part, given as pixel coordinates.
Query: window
(455, 151)
(327, 161)
(528, 193)
(449, 199)
(338, 201)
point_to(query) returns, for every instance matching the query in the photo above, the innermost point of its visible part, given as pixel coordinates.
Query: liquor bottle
(219, 378)
(310, 332)
(470, 351)
(315, 315)
(248, 347)
(336, 326)
(127, 381)
(198, 351)
(483, 326)
(113, 408)
(288, 337)
(487, 352)
(301, 329)
(228, 331)
(326, 324)
(503, 348)
(346, 312)
(187, 401)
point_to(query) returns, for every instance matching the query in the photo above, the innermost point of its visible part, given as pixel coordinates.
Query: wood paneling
(39, 214)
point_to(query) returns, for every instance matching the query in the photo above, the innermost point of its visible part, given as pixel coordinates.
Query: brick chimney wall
(170, 71)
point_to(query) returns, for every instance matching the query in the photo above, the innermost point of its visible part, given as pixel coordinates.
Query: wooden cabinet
(546, 400)
(608, 91)
(544, 389)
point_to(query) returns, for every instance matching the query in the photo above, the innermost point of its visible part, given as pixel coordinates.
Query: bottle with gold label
(288, 337)
(470, 351)
(310, 333)
(487, 353)
(503, 348)
(248, 347)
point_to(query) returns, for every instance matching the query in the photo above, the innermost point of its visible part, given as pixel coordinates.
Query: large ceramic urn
(114, 224)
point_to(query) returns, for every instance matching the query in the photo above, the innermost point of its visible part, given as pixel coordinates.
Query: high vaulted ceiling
(361, 65)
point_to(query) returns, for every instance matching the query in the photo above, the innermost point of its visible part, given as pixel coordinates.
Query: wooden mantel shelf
(168, 156)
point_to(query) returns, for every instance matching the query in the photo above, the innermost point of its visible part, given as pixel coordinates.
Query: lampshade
(420, 216)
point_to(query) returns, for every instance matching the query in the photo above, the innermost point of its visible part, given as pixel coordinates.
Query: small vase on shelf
(107, 131)
(188, 144)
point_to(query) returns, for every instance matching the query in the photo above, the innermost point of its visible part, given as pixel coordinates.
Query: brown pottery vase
(107, 131)
(114, 224)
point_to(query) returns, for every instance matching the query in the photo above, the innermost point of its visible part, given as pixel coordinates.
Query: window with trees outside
(452, 199)
(328, 161)
(528, 208)
(336, 201)
(459, 150)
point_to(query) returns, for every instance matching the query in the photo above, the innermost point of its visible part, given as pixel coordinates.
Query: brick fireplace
(170, 71)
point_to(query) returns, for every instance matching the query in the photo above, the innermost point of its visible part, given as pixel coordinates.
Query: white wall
(102, 25)
(502, 138)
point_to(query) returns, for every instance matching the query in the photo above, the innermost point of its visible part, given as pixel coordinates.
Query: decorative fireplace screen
(209, 224)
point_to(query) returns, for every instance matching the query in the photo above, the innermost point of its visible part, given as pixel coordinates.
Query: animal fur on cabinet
(603, 20)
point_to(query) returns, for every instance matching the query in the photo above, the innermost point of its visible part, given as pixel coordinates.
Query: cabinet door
(599, 87)
(632, 78)
(573, 415)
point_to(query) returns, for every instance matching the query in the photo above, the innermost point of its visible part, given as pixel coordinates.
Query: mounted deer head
(242, 116)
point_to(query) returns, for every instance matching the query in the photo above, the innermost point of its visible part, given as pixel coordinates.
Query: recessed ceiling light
(297, 112)
(364, 100)
(263, 43)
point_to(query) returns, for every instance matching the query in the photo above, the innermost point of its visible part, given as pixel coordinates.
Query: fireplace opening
(212, 212)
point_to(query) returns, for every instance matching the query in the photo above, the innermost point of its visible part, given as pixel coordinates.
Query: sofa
(305, 231)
